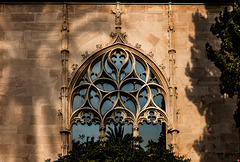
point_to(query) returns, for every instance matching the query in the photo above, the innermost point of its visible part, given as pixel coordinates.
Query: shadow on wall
(219, 141)
(28, 118)
(30, 68)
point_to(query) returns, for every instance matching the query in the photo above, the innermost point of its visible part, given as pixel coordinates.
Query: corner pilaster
(64, 82)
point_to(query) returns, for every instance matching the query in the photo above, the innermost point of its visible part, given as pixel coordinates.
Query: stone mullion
(172, 83)
(64, 83)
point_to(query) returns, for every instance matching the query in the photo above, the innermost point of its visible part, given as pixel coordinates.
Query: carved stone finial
(59, 112)
(74, 67)
(65, 18)
(162, 66)
(151, 54)
(138, 46)
(85, 55)
(99, 46)
(112, 34)
(117, 13)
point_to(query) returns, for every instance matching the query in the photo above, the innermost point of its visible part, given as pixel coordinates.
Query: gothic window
(118, 86)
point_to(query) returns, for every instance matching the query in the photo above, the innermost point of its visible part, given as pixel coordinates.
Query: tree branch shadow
(219, 141)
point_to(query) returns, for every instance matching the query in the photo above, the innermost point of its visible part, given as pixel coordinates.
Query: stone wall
(30, 73)
(29, 82)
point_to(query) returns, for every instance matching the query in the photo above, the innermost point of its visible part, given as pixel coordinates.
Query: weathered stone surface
(22, 17)
(31, 67)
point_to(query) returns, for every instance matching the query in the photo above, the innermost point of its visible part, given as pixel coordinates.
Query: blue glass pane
(85, 130)
(95, 70)
(131, 86)
(94, 99)
(113, 75)
(126, 128)
(143, 98)
(117, 59)
(128, 87)
(83, 79)
(122, 76)
(153, 79)
(97, 67)
(149, 132)
(108, 87)
(79, 99)
(128, 67)
(76, 102)
(107, 104)
(158, 98)
(141, 70)
(129, 104)
(107, 67)
(105, 87)
(99, 86)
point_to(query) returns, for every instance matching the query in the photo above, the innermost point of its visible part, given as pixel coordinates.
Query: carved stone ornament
(151, 54)
(117, 14)
(117, 86)
(85, 55)
(74, 67)
(99, 46)
(138, 46)
(162, 66)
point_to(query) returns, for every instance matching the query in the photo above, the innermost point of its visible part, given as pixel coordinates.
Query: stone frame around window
(94, 115)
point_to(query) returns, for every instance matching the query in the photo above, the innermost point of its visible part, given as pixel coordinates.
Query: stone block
(22, 17)
(38, 53)
(228, 137)
(22, 100)
(13, 35)
(31, 139)
(55, 72)
(46, 36)
(1, 8)
(24, 8)
(19, 26)
(153, 39)
(1, 35)
(49, 17)
(31, 45)
(34, 8)
(48, 63)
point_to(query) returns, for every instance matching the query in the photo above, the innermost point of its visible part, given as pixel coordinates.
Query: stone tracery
(118, 86)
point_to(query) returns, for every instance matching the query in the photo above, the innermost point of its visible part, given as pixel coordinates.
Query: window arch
(121, 85)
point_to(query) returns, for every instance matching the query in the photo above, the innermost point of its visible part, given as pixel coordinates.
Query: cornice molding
(123, 2)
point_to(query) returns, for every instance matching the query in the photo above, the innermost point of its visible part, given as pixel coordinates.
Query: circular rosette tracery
(152, 116)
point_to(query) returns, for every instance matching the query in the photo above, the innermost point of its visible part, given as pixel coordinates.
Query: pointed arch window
(117, 85)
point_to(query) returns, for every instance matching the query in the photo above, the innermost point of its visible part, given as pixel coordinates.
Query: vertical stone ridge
(173, 130)
(64, 81)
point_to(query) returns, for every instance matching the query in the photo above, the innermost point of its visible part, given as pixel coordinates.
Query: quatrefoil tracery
(118, 82)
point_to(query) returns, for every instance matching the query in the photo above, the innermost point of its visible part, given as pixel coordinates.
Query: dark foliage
(227, 57)
(119, 148)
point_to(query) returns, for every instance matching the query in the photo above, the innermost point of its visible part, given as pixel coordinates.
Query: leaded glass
(118, 87)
